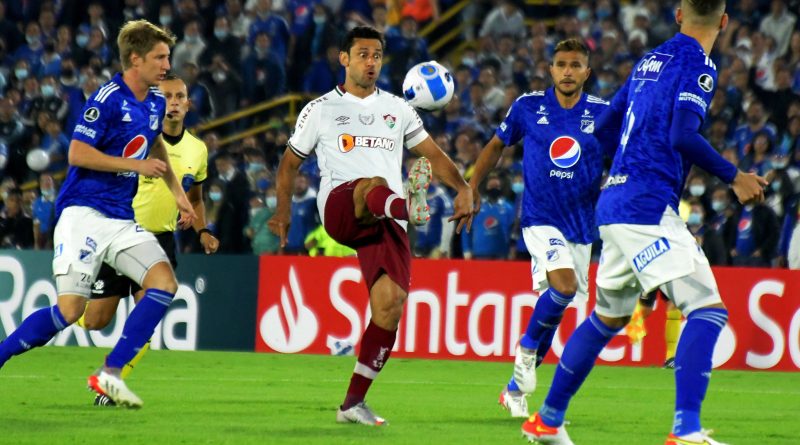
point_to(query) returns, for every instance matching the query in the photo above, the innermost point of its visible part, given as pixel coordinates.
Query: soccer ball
(38, 159)
(428, 86)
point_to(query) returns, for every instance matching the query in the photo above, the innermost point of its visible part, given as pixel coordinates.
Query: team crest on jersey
(366, 119)
(153, 122)
(587, 126)
(651, 66)
(347, 142)
(85, 256)
(706, 82)
(389, 120)
(136, 148)
(565, 152)
(91, 114)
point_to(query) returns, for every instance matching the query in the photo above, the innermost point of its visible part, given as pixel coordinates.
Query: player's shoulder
(155, 92)
(108, 93)
(596, 101)
(195, 142)
(531, 97)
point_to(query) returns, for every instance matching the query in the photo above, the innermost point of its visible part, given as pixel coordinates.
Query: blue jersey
(562, 161)
(116, 123)
(647, 174)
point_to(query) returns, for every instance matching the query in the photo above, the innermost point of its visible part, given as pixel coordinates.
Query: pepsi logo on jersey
(348, 142)
(136, 148)
(564, 153)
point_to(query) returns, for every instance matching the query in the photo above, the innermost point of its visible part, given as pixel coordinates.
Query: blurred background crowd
(234, 54)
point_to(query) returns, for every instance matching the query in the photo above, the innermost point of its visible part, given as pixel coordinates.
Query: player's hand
(187, 215)
(153, 168)
(476, 201)
(279, 225)
(462, 209)
(209, 242)
(749, 187)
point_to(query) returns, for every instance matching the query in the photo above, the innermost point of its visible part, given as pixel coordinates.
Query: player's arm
(487, 160)
(609, 123)
(209, 242)
(447, 172)
(85, 156)
(685, 137)
(287, 170)
(187, 214)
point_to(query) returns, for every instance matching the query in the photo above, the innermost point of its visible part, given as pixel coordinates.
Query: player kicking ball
(120, 126)
(358, 132)
(156, 211)
(562, 168)
(646, 245)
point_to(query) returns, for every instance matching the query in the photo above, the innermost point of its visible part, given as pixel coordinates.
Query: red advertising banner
(476, 310)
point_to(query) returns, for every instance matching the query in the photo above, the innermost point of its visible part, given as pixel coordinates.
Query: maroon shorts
(382, 247)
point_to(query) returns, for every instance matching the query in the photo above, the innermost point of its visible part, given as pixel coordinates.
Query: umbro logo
(127, 118)
(343, 120)
(543, 121)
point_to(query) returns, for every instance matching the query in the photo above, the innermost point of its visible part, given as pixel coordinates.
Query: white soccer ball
(38, 159)
(428, 86)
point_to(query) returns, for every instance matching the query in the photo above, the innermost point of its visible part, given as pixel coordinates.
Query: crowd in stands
(236, 53)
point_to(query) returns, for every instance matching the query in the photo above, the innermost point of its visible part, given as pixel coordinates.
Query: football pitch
(249, 398)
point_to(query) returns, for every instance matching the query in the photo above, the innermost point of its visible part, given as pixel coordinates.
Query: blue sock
(512, 385)
(544, 321)
(577, 361)
(36, 330)
(139, 327)
(693, 366)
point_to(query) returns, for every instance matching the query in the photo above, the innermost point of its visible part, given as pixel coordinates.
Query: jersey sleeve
(202, 164)
(511, 129)
(95, 120)
(696, 87)
(413, 130)
(306, 130)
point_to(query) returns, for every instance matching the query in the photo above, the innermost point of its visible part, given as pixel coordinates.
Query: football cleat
(419, 178)
(516, 404)
(360, 413)
(114, 388)
(525, 369)
(537, 432)
(700, 438)
(103, 400)
(669, 363)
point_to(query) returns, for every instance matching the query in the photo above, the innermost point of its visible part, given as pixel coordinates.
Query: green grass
(243, 398)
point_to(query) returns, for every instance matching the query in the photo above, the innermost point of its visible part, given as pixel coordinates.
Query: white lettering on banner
(300, 321)
(767, 324)
(454, 300)
(7, 308)
(495, 346)
(725, 347)
(178, 315)
(517, 303)
(432, 301)
(794, 339)
(342, 306)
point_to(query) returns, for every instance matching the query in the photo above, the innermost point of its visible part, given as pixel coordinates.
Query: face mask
(697, 190)
(718, 206)
(271, 201)
(21, 73)
(82, 40)
(48, 91)
(261, 53)
(255, 167)
(228, 175)
(215, 196)
(192, 39)
(583, 15)
(694, 219)
(262, 184)
(253, 211)
(48, 194)
(517, 187)
(493, 194)
(779, 165)
(32, 40)
(219, 76)
(220, 34)
(603, 84)
(776, 186)
(603, 13)
(320, 19)
(165, 20)
(468, 61)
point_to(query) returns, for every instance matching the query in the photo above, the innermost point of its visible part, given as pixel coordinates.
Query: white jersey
(357, 138)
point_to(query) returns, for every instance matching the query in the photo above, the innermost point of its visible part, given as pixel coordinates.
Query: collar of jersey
(173, 140)
(346, 95)
(124, 89)
(691, 41)
(550, 97)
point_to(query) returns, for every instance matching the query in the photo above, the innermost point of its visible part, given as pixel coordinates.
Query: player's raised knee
(71, 309)
(161, 277)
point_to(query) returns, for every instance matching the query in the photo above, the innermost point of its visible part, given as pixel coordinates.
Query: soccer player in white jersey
(120, 126)
(359, 132)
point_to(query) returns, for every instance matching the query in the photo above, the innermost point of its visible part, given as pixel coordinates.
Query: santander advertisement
(477, 310)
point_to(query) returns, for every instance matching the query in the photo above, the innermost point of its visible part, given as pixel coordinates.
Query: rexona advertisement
(477, 310)
(213, 308)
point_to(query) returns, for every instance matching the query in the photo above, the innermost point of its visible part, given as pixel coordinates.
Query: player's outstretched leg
(672, 330)
(41, 326)
(577, 361)
(693, 363)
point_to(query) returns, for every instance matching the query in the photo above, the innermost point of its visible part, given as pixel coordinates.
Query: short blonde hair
(139, 37)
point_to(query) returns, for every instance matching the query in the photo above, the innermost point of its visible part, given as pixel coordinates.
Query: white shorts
(85, 238)
(648, 256)
(549, 250)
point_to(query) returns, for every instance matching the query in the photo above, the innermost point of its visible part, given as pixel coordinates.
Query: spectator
(325, 73)
(304, 215)
(755, 122)
(188, 50)
(44, 213)
(50, 100)
(201, 106)
(222, 43)
(262, 239)
(54, 142)
(97, 47)
(707, 238)
(777, 101)
(15, 137)
(757, 160)
(753, 235)
(225, 85)
(433, 239)
(9, 32)
(504, 19)
(232, 211)
(33, 49)
(263, 75)
(406, 49)
(239, 21)
(423, 11)
(98, 20)
(274, 26)
(493, 96)
(16, 228)
(491, 229)
(779, 25)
